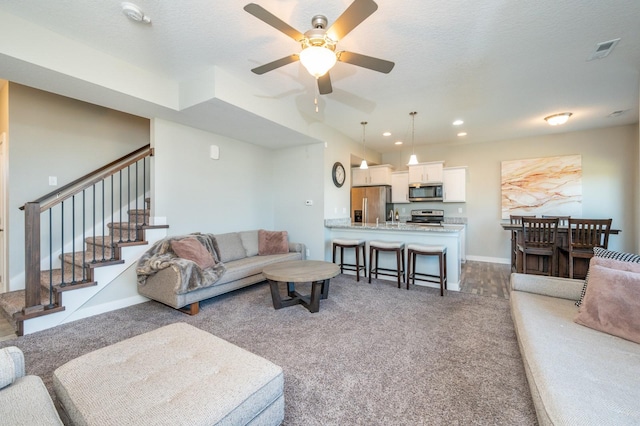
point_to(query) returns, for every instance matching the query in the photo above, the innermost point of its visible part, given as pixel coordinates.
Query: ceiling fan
(319, 53)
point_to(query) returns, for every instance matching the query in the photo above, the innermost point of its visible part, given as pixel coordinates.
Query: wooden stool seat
(413, 250)
(375, 247)
(343, 243)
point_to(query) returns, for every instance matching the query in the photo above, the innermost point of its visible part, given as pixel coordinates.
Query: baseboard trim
(105, 307)
(501, 260)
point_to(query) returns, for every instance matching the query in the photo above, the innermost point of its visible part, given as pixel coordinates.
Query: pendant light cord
(413, 131)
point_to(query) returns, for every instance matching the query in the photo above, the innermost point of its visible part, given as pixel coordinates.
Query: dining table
(538, 265)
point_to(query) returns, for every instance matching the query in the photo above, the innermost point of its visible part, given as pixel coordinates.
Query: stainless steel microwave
(425, 192)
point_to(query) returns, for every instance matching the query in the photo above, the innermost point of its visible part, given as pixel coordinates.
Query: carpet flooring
(373, 355)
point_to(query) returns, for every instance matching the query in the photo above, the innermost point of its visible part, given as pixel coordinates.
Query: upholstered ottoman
(174, 375)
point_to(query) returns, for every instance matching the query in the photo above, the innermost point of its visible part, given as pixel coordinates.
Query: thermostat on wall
(214, 152)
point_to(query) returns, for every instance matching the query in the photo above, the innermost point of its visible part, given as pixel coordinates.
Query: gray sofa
(24, 400)
(238, 251)
(577, 375)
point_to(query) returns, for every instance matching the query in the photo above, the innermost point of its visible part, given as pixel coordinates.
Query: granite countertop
(342, 224)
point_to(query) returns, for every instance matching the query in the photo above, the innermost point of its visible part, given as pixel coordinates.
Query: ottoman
(177, 375)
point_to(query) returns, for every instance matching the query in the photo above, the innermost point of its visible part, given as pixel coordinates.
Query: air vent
(603, 49)
(617, 113)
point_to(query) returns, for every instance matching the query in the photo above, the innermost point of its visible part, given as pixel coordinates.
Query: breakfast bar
(450, 236)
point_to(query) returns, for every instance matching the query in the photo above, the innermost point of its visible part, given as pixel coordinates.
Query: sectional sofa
(239, 260)
(577, 375)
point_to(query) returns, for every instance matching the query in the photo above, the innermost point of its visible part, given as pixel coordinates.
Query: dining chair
(562, 220)
(584, 235)
(515, 220)
(539, 236)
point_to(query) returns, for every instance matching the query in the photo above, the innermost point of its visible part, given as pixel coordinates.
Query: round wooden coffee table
(317, 272)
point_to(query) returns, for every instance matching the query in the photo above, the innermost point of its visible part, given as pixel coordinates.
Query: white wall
(609, 179)
(56, 136)
(198, 194)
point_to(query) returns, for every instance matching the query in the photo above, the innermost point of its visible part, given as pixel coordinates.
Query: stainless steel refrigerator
(369, 203)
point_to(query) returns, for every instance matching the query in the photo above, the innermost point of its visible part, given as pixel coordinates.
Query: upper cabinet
(374, 175)
(454, 185)
(400, 187)
(426, 172)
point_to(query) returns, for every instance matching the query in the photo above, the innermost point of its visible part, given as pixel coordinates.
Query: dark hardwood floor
(485, 279)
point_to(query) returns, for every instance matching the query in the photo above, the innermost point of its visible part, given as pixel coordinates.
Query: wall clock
(338, 173)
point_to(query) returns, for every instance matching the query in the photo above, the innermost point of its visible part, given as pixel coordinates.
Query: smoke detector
(603, 49)
(134, 13)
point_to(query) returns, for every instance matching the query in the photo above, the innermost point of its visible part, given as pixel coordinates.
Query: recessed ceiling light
(458, 122)
(398, 143)
(386, 134)
(557, 119)
(133, 12)
(462, 134)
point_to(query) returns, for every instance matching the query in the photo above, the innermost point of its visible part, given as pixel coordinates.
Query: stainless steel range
(427, 217)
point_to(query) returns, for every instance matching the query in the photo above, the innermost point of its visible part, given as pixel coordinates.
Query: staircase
(108, 253)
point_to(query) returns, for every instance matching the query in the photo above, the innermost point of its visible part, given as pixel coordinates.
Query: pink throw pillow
(192, 249)
(612, 302)
(272, 242)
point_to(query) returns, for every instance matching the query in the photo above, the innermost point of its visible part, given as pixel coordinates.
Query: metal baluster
(120, 209)
(136, 192)
(103, 248)
(144, 190)
(50, 259)
(111, 233)
(84, 237)
(73, 239)
(93, 191)
(128, 201)
(62, 243)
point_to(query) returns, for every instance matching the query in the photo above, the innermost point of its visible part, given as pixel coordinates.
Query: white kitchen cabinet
(426, 172)
(374, 175)
(400, 187)
(454, 185)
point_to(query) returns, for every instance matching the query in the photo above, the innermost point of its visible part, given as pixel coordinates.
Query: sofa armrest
(11, 365)
(298, 248)
(563, 288)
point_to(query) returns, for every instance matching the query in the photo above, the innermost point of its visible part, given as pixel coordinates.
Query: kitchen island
(449, 235)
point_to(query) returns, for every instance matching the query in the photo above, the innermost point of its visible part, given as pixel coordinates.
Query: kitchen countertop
(406, 227)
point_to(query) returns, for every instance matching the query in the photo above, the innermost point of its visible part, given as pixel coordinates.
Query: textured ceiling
(499, 65)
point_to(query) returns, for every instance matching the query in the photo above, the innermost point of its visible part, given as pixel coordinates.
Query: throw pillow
(607, 254)
(250, 242)
(7, 369)
(612, 303)
(192, 249)
(272, 242)
(231, 247)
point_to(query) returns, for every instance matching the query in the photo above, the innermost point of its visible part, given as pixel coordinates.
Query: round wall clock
(338, 173)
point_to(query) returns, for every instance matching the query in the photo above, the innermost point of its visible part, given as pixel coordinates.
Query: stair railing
(88, 203)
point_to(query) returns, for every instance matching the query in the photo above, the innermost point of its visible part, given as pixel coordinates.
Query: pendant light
(364, 164)
(413, 160)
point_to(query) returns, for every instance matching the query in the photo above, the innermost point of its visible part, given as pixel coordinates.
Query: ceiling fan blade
(324, 84)
(357, 12)
(271, 19)
(365, 61)
(276, 64)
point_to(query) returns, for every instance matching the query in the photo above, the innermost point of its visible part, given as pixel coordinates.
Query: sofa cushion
(582, 376)
(231, 247)
(250, 242)
(272, 242)
(612, 302)
(607, 254)
(192, 249)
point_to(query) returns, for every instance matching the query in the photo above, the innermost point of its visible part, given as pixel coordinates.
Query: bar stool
(375, 247)
(343, 243)
(413, 250)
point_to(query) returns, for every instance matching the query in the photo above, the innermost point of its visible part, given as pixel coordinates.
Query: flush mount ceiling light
(413, 160)
(364, 164)
(557, 119)
(134, 13)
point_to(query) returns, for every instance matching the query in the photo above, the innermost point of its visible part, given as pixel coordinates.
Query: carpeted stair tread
(12, 302)
(78, 260)
(56, 276)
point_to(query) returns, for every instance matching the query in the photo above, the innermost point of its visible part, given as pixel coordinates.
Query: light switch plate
(214, 152)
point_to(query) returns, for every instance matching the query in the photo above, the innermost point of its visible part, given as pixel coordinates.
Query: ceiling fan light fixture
(557, 119)
(318, 60)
